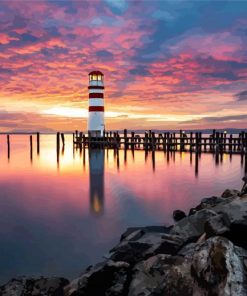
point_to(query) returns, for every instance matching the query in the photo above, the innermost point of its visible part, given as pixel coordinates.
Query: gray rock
(192, 227)
(24, 286)
(139, 246)
(192, 211)
(230, 193)
(236, 211)
(215, 267)
(162, 275)
(142, 230)
(131, 251)
(209, 202)
(218, 269)
(178, 215)
(106, 278)
(217, 225)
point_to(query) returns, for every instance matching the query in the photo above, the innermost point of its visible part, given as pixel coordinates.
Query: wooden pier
(217, 142)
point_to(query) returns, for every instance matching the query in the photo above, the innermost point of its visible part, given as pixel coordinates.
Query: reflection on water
(62, 209)
(96, 171)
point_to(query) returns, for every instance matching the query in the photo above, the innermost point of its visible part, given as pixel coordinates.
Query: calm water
(56, 218)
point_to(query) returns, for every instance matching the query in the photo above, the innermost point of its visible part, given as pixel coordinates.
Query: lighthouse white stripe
(96, 102)
(96, 91)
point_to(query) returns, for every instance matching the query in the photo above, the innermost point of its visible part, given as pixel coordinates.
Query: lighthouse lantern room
(96, 118)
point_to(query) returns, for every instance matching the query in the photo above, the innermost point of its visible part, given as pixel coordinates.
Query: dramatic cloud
(166, 63)
(242, 96)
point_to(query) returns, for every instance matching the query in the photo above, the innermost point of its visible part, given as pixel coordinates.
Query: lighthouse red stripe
(96, 87)
(96, 96)
(96, 108)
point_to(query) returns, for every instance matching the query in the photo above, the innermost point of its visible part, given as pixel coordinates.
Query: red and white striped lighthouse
(96, 117)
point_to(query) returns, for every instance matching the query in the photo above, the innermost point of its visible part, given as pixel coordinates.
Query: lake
(59, 215)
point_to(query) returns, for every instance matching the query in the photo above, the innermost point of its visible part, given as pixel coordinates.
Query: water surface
(61, 214)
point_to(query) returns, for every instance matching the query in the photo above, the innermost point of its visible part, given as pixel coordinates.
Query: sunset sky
(168, 64)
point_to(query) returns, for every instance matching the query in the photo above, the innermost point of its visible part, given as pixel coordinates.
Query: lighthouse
(96, 117)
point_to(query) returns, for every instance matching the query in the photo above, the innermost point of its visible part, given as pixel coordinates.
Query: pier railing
(193, 141)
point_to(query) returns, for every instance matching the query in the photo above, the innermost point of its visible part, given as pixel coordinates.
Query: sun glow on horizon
(83, 113)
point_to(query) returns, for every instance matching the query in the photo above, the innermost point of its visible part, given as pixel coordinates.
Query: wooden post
(197, 158)
(153, 141)
(125, 155)
(217, 142)
(153, 159)
(125, 139)
(242, 142)
(8, 145)
(132, 140)
(230, 144)
(58, 147)
(164, 142)
(31, 148)
(63, 139)
(191, 141)
(197, 141)
(145, 141)
(168, 141)
(58, 141)
(89, 139)
(38, 142)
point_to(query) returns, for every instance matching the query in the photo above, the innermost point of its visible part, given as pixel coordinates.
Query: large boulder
(133, 232)
(217, 225)
(215, 267)
(236, 213)
(139, 245)
(162, 275)
(178, 215)
(230, 193)
(191, 228)
(41, 286)
(106, 279)
(218, 268)
(210, 202)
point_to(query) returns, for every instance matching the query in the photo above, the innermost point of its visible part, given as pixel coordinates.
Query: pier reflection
(96, 177)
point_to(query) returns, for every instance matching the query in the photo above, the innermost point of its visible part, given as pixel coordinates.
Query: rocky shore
(203, 253)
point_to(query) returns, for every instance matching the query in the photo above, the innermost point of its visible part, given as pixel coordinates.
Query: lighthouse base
(98, 133)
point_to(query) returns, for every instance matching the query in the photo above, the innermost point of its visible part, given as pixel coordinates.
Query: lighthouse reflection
(96, 177)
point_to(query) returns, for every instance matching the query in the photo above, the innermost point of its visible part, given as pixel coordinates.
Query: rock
(215, 267)
(236, 211)
(230, 193)
(162, 275)
(106, 278)
(191, 228)
(178, 215)
(187, 250)
(217, 225)
(24, 286)
(138, 246)
(128, 234)
(209, 202)
(131, 252)
(192, 211)
(218, 269)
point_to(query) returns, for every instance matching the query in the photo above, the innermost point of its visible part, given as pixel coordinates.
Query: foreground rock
(203, 254)
(34, 286)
